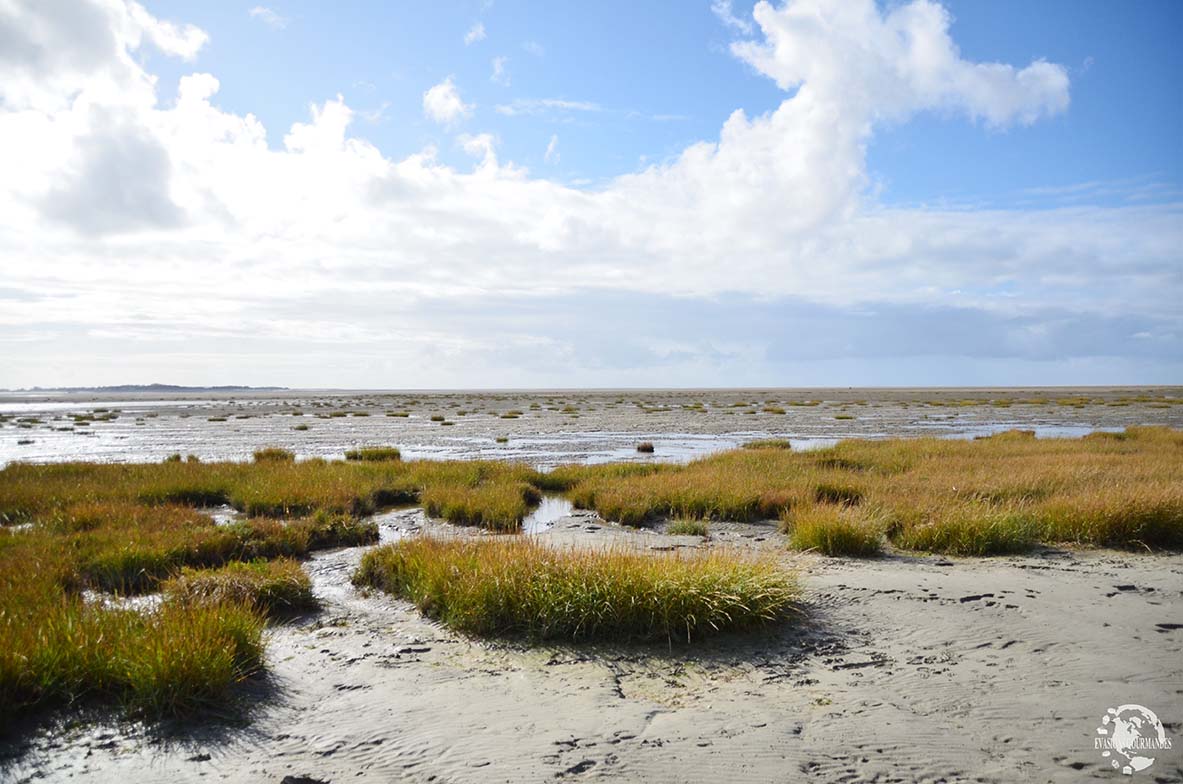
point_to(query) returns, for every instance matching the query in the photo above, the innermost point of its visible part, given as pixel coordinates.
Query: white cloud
(442, 103)
(269, 17)
(722, 9)
(115, 207)
(475, 33)
(534, 48)
(552, 149)
(527, 106)
(481, 146)
(500, 73)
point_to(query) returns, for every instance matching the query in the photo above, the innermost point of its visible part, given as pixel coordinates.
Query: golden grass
(520, 587)
(997, 494)
(834, 530)
(375, 454)
(278, 587)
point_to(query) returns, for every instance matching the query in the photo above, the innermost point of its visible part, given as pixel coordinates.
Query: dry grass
(519, 587)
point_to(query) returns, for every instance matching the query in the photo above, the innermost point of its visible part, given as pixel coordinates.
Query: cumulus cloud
(442, 103)
(893, 65)
(323, 252)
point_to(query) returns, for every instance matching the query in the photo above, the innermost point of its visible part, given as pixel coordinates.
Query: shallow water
(551, 428)
(551, 509)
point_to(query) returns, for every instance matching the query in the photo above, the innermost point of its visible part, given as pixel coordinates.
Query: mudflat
(545, 427)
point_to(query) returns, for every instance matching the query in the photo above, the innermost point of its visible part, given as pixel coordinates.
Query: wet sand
(553, 427)
(905, 668)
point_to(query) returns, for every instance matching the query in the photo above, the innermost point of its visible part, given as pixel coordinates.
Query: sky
(507, 194)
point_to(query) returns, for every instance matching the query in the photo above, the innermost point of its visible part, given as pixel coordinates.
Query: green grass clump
(834, 530)
(279, 587)
(495, 506)
(274, 454)
(518, 587)
(971, 528)
(57, 649)
(768, 443)
(374, 453)
(687, 528)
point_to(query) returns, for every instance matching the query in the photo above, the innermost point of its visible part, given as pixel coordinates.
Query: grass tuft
(274, 454)
(374, 454)
(834, 530)
(687, 528)
(279, 587)
(835, 493)
(518, 587)
(769, 443)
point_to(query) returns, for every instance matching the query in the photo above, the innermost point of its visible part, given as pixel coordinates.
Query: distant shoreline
(178, 388)
(149, 388)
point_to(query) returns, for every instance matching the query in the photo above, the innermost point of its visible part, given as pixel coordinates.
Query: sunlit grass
(768, 443)
(278, 587)
(374, 453)
(687, 528)
(993, 495)
(518, 587)
(834, 530)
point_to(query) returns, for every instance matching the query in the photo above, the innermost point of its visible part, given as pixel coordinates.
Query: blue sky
(662, 78)
(511, 194)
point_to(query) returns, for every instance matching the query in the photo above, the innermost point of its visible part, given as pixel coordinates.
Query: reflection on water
(552, 508)
(544, 434)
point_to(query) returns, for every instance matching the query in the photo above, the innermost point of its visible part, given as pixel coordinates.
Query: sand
(903, 668)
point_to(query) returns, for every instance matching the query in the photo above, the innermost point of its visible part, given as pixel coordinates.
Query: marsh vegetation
(79, 537)
(521, 587)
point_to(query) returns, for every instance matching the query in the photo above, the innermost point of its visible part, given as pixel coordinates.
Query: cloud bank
(176, 241)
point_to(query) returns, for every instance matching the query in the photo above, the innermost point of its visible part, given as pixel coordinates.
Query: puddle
(223, 515)
(552, 508)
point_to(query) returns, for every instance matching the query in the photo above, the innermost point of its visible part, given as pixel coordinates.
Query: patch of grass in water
(374, 454)
(768, 443)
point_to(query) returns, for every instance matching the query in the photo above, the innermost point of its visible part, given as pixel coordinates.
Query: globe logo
(1127, 737)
